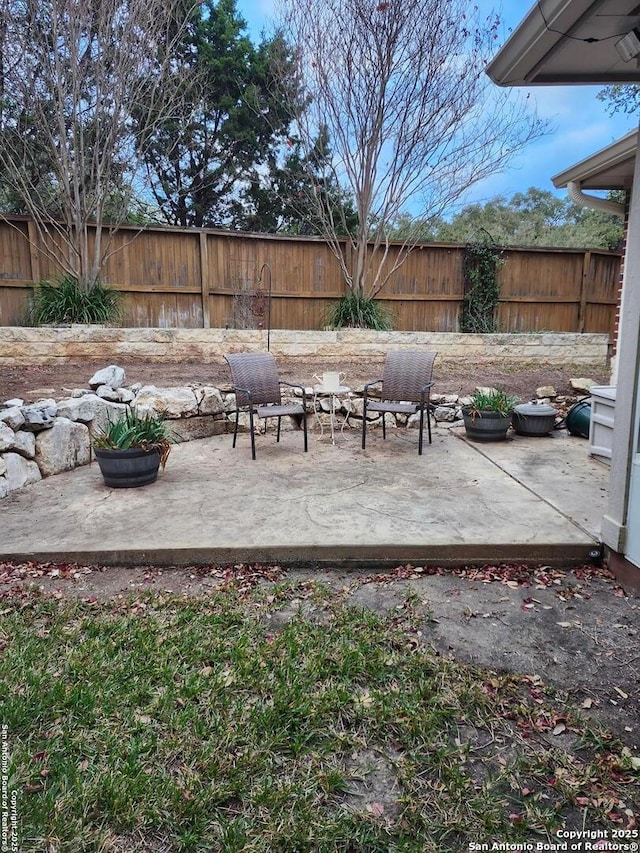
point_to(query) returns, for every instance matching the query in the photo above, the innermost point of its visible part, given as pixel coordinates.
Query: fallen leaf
(621, 693)
(588, 703)
(376, 809)
(559, 729)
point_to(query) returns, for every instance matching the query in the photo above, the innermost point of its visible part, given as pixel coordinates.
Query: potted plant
(488, 416)
(131, 449)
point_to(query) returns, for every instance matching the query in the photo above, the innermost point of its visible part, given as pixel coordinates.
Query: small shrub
(357, 311)
(63, 302)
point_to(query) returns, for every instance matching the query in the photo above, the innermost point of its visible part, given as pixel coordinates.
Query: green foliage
(59, 303)
(621, 98)
(492, 401)
(357, 311)
(147, 432)
(207, 159)
(534, 218)
(482, 261)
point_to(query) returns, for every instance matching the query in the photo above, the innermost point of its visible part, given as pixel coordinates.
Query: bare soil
(31, 382)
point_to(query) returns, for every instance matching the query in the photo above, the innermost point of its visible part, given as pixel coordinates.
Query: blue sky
(580, 124)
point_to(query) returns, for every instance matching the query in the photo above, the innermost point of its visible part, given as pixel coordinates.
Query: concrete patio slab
(527, 499)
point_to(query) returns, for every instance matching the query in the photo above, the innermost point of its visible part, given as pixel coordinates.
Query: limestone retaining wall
(20, 345)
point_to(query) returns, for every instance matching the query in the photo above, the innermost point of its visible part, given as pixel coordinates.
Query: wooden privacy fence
(201, 278)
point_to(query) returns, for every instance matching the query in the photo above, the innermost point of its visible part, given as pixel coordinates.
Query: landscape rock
(20, 471)
(485, 389)
(581, 384)
(444, 413)
(25, 444)
(4, 487)
(113, 376)
(106, 392)
(172, 402)
(65, 446)
(3, 466)
(199, 426)
(80, 392)
(7, 436)
(545, 391)
(40, 415)
(209, 400)
(9, 404)
(12, 417)
(125, 395)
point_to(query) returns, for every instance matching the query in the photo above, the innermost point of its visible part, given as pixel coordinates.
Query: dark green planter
(487, 426)
(126, 469)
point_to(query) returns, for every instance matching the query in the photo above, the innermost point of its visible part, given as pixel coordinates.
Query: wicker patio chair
(405, 389)
(257, 388)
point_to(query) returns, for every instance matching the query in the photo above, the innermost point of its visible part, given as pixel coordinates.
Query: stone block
(25, 444)
(113, 376)
(40, 415)
(3, 466)
(106, 392)
(12, 417)
(7, 436)
(65, 446)
(20, 471)
(209, 400)
(172, 402)
(200, 426)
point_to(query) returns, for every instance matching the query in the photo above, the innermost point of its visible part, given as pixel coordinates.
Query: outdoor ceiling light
(629, 46)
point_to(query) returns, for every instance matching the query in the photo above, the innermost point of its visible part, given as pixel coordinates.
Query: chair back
(406, 372)
(257, 373)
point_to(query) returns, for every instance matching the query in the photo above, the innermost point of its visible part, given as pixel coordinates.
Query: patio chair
(405, 389)
(257, 388)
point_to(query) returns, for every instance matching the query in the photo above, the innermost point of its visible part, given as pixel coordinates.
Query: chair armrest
(366, 389)
(246, 391)
(424, 389)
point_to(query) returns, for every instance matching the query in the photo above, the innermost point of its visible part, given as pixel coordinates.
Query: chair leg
(235, 429)
(429, 421)
(384, 425)
(364, 424)
(304, 427)
(278, 434)
(421, 431)
(253, 438)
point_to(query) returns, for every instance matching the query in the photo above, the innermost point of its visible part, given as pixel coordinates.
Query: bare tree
(72, 73)
(410, 115)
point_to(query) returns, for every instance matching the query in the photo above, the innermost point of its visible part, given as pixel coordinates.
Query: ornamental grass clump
(357, 311)
(65, 301)
(495, 400)
(147, 432)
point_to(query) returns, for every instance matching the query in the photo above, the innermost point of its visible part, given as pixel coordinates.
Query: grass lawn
(276, 717)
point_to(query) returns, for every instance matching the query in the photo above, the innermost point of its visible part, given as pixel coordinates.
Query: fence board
(194, 278)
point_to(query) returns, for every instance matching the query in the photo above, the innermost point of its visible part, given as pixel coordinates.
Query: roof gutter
(603, 204)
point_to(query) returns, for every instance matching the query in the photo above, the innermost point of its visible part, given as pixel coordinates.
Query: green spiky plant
(491, 401)
(357, 311)
(147, 432)
(65, 301)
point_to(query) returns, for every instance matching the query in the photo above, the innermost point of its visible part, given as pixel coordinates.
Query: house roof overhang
(569, 42)
(608, 169)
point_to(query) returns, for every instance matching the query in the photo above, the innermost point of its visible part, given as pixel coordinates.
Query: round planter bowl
(126, 469)
(533, 419)
(487, 426)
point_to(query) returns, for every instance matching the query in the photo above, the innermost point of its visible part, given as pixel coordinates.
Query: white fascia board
(604, 160)
(532, 41)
